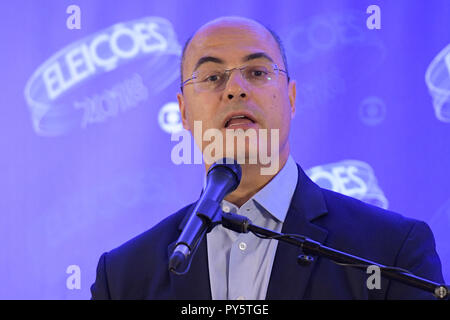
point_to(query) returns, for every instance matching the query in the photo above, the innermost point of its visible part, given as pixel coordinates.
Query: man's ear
(183, 112)
(292, 91)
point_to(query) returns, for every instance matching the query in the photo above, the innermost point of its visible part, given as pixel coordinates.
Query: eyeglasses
(213, 79)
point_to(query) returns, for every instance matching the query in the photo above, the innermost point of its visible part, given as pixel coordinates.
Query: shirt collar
(276, 196)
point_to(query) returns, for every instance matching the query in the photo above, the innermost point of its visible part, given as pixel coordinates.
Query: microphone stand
(242, 224)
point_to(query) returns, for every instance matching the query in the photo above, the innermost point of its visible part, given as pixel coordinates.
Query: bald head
(236, 23)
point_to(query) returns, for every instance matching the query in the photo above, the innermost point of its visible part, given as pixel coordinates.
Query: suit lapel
(194, 285)
(288, 279)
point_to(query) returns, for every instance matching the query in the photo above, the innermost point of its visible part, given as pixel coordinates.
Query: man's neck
(252, 181)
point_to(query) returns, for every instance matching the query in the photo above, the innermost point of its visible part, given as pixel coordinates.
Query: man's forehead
(242, 36)
(230, 24)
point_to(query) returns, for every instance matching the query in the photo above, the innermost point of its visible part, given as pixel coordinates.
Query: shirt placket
(239, 286)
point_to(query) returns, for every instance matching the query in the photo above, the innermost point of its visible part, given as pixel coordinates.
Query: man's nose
(236, 86)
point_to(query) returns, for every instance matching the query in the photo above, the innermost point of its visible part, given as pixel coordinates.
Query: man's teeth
(236, 117)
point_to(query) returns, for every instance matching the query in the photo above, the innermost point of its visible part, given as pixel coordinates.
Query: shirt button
(240, 298)
(242, 246)
(226, 209)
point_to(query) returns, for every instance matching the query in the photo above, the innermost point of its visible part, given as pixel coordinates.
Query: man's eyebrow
(252, 56)
(202, 60)
(257, 55)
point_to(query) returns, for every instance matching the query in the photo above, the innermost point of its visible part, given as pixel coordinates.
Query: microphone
(222, 178)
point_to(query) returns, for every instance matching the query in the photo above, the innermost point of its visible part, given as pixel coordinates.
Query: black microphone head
(227, 166)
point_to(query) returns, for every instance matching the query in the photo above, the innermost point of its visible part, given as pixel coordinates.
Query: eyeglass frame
(228, 72)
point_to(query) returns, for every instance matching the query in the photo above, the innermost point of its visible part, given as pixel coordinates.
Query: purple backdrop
(88, 106)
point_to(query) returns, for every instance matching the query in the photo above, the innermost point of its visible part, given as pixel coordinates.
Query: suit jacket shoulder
(385, 237)
(134, 270)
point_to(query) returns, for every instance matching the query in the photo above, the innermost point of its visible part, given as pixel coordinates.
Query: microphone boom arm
(242, 224)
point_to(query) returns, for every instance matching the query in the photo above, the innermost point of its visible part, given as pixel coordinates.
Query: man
(234, 77)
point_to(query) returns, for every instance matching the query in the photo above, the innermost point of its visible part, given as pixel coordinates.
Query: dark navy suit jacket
(139, 268)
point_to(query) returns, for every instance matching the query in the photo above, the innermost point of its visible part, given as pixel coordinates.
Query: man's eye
(212, 78)
(258, 73)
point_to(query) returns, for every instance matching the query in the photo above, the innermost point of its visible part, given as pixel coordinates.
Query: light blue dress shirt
(240, 264)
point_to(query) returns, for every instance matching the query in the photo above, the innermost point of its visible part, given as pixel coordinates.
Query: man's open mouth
(238, 120)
